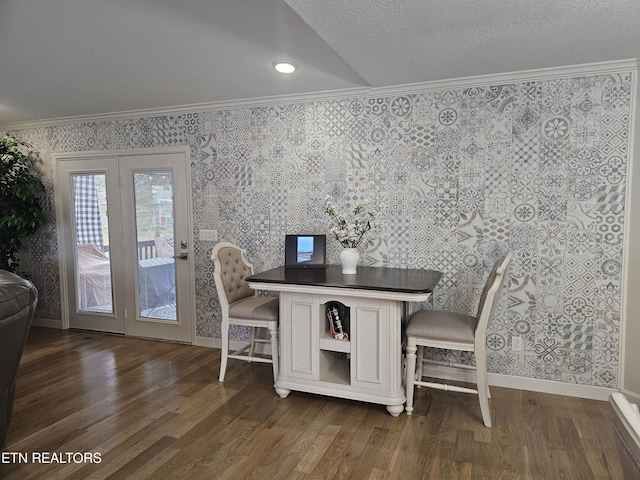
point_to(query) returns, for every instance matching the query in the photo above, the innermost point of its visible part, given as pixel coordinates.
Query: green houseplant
(20, 192)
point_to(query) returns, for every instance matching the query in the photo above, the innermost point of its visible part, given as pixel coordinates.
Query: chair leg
(275, 352)
(483, 389)
(420, 363)
(252, 343)
(410, 373)
(225, 350)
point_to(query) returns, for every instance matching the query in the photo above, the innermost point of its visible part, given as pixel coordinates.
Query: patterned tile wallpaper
(464, 174)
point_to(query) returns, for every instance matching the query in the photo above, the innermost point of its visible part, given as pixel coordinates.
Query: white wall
(631, 326)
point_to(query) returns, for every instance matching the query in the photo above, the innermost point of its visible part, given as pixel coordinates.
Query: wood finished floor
(156, 410)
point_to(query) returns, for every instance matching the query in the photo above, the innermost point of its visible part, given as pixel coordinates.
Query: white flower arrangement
(349, 228)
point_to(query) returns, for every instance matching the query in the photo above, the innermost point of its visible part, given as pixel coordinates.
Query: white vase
(349, 258)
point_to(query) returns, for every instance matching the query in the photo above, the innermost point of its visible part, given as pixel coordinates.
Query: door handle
(182, 256)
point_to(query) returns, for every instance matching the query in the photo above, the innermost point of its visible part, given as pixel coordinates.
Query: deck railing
(146, 249)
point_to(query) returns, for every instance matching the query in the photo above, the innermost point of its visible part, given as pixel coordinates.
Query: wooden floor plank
(155, 410)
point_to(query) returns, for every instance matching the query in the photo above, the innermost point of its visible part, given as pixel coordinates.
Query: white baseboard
(522, 383)
(632, 396)
(47, 322)
(550, 386)
(208, 342)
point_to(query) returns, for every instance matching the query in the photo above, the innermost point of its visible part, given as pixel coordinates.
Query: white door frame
(107, 164)
(62, 236)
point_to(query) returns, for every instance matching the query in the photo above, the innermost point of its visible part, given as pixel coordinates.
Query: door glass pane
(153, 193)
(93, 267)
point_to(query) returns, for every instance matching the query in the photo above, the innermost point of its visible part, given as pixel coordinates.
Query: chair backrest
(231, 270)
(490, 295)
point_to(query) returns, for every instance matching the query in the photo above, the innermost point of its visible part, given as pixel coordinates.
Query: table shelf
(335, 368)
(328, 343)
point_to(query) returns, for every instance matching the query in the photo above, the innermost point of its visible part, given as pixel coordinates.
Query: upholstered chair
(241, 305)
(455, 331)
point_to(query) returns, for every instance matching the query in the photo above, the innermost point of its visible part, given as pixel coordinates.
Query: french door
(125, 243)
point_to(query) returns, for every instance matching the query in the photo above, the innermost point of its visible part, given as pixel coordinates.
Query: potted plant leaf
(20, 193)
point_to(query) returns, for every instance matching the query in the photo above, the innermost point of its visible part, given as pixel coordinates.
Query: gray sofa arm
(18, 299)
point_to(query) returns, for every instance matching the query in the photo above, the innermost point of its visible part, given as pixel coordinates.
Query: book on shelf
(338, 317)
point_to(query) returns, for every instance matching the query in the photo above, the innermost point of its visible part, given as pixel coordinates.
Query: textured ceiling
(404, 41)
(86, 57)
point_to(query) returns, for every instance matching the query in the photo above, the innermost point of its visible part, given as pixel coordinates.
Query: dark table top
(406, 280)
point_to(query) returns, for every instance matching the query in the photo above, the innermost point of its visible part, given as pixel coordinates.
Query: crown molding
(193, 108)
(600, 68)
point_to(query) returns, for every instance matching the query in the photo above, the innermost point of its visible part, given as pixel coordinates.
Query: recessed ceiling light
(285, 66)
